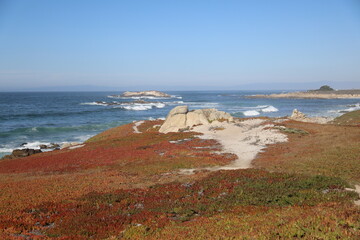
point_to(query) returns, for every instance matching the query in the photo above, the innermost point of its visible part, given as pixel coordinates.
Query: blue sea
(33, 118)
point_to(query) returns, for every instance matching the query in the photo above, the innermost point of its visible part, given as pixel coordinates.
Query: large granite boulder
(180, 118)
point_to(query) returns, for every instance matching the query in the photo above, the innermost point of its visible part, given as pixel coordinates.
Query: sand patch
(245, 139)
(77, 146)
(357, 190)
(136, 125)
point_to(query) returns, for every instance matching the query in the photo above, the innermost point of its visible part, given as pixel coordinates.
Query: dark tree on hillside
(326, 88)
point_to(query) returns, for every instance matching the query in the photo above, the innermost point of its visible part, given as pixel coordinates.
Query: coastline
(338, 94)
(253, 167)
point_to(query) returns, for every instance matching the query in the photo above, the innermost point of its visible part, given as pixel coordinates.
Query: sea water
(28, 119)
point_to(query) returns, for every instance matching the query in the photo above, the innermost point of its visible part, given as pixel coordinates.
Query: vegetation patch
(351, 118)
(329, 150)
(144, 213)
(292, 130)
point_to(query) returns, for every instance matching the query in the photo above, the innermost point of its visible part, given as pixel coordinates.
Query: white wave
(95, 103)
(33, 145)
(137, 108)
(83, 138)
(353, 107)
(159, 105)
(257, 107)
(250, 113)
(350, 108)
(175, 96)
(6, 150)
(143, 106)
(174, 102)
(270, 109)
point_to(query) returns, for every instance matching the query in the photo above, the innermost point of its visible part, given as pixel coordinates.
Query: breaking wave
(255, 111)
(251, 113)
(95, 103)
(351, 108)
(270, 109)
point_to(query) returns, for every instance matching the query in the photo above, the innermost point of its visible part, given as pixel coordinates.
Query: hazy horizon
(245, 87)
(184, 45)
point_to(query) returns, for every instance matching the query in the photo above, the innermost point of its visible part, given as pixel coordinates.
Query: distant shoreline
(313, 94)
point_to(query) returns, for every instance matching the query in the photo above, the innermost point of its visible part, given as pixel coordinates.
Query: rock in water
(145, 94)
(179, 118)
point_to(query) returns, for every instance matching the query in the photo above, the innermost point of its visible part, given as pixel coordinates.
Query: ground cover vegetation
(123, 185)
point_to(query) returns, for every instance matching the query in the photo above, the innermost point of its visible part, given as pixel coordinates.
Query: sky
(179, 45)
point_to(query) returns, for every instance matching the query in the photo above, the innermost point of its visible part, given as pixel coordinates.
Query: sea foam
(250, 113)
(143, 107)
(95, 103)
(270, 109)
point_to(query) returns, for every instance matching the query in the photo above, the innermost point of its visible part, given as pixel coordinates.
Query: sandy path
(135, 127)
(357, 189)
(245, 139)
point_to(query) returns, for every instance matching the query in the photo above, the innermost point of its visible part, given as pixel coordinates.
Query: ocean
(28, 119)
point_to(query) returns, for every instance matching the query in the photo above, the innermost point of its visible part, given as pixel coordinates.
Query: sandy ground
(357, 190)
(243, 138)
(135, 127)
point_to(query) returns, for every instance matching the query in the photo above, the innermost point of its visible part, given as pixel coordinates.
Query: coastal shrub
(325, 88)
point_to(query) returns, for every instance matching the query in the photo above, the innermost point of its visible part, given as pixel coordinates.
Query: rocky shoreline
(312, 94)
(179, 119)
(209, 171)
(25, 152)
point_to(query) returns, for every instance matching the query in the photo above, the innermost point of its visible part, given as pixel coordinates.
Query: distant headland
(324, 92)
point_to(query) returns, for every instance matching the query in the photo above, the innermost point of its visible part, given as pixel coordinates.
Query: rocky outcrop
(299, 116)
(180, 118)
(50, 146)
(18, 153)
(145, 94)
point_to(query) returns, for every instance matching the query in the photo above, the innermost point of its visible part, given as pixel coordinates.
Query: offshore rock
(145, 94)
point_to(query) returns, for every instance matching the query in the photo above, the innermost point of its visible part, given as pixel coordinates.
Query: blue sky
(179, 44)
